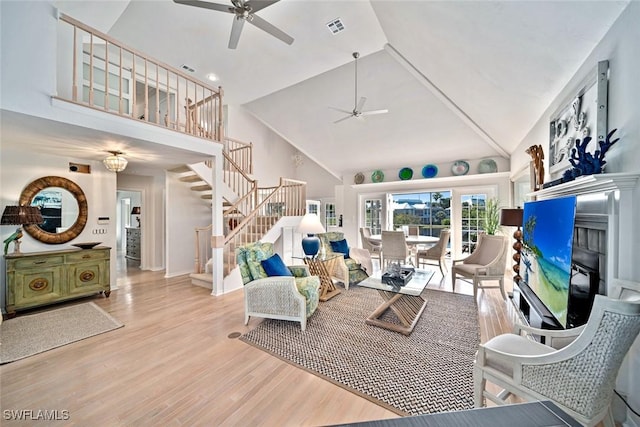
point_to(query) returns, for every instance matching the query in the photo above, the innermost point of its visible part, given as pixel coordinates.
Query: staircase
(249, 211)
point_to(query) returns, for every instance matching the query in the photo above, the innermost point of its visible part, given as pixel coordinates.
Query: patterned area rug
(26, 335)
(429, 371)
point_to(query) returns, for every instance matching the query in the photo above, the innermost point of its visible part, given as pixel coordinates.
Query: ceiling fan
(244, 10)
(357, 109)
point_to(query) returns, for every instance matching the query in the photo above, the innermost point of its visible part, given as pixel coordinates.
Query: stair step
(202, 187)
(190, 178)
(180, 169)
(207, 196)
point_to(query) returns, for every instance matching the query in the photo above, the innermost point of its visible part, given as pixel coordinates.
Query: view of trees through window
(430, 212)
(473, 213)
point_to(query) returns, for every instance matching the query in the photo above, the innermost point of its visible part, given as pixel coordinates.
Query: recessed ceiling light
(212, 77)
(335, 26)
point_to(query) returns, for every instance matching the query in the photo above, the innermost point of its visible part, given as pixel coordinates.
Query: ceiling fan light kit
(244, 10)
(357, 111)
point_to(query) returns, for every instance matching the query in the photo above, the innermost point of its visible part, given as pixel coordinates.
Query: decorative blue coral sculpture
(586, 163)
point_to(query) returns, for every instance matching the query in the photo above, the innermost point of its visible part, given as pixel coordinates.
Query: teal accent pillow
(340, 246)
(274, 266)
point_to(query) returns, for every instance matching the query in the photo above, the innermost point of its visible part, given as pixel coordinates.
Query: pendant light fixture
(115, 162)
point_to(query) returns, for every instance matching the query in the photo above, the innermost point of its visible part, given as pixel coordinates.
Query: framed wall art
(583, 114)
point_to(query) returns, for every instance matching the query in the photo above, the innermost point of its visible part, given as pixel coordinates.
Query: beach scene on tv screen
(545, 263)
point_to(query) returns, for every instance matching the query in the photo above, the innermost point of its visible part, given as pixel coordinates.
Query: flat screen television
(547, 245)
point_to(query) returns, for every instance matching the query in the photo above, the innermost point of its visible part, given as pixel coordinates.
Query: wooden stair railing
(286, 199)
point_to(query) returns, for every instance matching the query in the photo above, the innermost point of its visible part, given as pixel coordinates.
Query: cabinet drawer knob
(86, 256)
(39, 284)
(44, 261)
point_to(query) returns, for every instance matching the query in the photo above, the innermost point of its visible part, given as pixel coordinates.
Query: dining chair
(394, 248)
(435, 253)
(375, 248)
(414, 230)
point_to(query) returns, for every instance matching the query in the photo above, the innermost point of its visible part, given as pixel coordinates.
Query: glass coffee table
(405, 301)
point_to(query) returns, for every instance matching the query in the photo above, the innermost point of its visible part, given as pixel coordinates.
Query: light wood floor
(172, 364)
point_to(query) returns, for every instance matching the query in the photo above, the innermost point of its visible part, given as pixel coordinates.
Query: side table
(321, 267)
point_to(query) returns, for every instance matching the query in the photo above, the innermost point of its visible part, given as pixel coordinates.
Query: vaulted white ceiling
(461, 79)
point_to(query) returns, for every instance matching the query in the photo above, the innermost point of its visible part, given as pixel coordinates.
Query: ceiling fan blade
(341, 110)
(257, 5)
(372, 112)
(344, 118)
(265, 26)
(206, 5)
(236, 29)
(361, 103)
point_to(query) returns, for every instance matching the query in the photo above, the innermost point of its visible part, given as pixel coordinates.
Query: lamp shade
(135, 210)
(115, 162)
(21, 215)
(511, 217)
(310, 224)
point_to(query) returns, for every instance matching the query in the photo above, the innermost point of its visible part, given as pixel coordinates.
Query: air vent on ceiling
(335, 26)
(187, 68)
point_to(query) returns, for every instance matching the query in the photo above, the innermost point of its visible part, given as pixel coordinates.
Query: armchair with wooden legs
(487, 262)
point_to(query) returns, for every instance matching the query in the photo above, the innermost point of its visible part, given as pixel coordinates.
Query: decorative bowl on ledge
(87, 245)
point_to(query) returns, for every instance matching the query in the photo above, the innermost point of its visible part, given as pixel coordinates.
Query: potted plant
(491, 216)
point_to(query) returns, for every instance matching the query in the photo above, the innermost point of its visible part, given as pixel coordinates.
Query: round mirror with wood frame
(32, 190)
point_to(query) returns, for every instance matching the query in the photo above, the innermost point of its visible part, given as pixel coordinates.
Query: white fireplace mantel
(590, 184)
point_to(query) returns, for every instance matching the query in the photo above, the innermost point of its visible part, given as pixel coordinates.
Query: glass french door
(373, 215)
(471, 220)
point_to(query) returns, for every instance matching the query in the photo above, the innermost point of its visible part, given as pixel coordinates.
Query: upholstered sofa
(351, 270)
(277, 297)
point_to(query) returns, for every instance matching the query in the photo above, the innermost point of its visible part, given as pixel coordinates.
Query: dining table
(412, 240)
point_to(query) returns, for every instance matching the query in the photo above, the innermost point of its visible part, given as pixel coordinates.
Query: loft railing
(97, 71)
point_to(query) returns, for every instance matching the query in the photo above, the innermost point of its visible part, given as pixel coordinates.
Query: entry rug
(26, 335)
(429, 371)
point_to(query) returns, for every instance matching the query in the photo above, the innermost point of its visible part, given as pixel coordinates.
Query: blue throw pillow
(274, 266)
(341, 247)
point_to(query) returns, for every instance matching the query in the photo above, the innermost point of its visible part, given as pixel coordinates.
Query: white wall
(184, 211)
(20, 169)
(273, 156)
(619, 47)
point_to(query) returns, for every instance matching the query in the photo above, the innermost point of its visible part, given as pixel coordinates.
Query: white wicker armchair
(487, 262)
(579, 378)
(279, 297)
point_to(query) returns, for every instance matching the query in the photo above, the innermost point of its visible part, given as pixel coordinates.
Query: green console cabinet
(40, 278)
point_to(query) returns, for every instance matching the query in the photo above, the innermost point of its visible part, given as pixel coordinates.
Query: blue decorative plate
(460, 167)
(377, 176)
(429, 171)
(405, 173)
(487, 166)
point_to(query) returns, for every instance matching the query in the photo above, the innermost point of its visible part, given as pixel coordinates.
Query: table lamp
(136, 211)
(19, 215)
(513, 218)
(310, 225)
